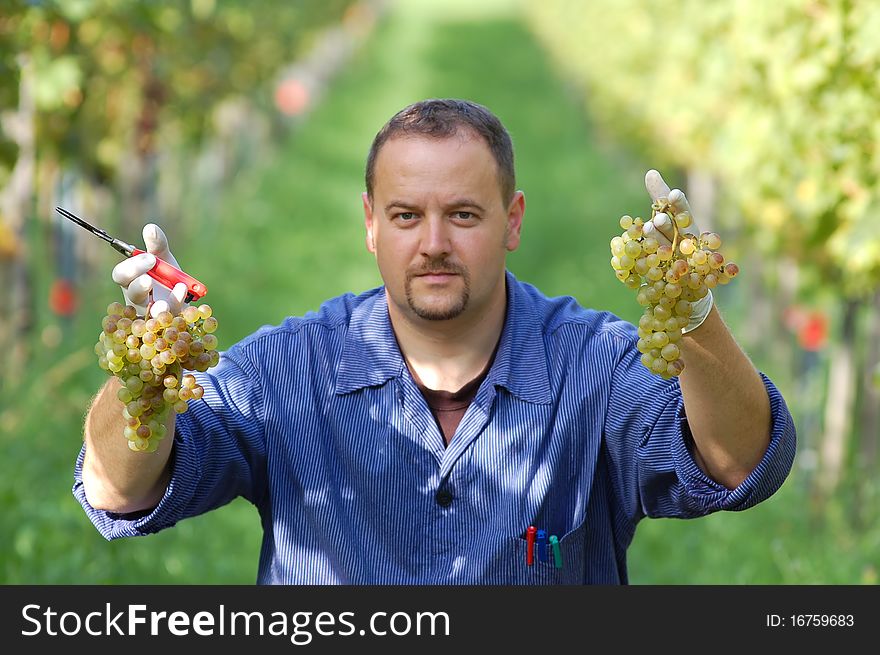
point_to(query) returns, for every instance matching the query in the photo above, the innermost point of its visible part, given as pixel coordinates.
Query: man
(414, 433)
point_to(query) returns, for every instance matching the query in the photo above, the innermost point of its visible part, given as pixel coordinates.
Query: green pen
(557, 552)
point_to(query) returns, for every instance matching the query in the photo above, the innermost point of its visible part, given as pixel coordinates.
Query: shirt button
(444, 497)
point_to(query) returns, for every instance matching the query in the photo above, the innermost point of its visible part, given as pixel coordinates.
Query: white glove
(138, 288)
(660, 228)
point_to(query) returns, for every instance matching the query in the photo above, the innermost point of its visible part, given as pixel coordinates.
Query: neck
(446, 355)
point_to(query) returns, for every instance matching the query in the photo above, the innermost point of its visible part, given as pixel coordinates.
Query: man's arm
(727, 406)
(115, 478)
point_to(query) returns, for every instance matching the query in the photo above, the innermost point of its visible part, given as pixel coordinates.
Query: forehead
(460, 162)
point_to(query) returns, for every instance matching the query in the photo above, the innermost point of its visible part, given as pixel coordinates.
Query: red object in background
(809, 325)
(63, 297)
(813, 333)
(291, 97)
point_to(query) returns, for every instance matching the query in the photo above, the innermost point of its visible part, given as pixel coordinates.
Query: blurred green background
(242, 128)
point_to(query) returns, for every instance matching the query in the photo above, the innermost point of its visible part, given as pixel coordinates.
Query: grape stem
(150, 305)
(675, 234)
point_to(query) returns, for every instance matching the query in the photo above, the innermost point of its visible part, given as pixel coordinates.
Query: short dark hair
(444, 118)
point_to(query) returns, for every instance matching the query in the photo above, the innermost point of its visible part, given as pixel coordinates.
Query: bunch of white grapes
(150, 356)
(669, 279)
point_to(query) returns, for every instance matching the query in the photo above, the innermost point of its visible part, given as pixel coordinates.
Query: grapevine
(668, 279)
(149, 356)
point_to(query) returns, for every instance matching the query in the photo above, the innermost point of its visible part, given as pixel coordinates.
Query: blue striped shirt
(320, 425)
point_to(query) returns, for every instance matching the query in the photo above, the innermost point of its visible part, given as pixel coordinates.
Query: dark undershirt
(448, 407)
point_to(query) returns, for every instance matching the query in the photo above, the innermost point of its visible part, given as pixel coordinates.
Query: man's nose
(435, 237)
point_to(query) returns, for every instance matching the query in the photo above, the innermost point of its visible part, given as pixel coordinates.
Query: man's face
(439, 228)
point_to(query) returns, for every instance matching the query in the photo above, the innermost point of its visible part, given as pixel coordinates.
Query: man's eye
(406, 216)
(464, 215)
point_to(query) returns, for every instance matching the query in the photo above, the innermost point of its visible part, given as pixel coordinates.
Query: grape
(683, 220)
(150, 357)
(665, 253)
(190, 314)
(670, 352)
(632, 248)
(711, 240)
(659, 339)
(134, 385)
(667, 279)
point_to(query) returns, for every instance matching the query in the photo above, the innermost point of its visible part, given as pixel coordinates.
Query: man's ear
(515, 212)
(368, 222)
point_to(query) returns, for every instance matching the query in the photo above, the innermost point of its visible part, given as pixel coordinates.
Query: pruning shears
(162, 272)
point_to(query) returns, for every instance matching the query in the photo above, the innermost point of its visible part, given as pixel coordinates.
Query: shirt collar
(521, 365)
(371, 356)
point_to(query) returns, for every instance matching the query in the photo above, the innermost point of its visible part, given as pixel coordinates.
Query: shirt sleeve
(218, 454)
(650, 445)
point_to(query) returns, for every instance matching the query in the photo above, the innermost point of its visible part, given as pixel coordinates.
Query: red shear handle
(170, 276)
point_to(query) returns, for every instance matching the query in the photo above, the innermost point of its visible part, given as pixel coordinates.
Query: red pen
(530, 545)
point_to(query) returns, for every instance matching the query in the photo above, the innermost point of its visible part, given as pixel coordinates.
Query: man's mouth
(436, 276)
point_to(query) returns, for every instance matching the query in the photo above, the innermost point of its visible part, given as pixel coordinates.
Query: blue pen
(542, 545)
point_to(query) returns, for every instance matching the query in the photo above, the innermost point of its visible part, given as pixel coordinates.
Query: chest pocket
(572, 547)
